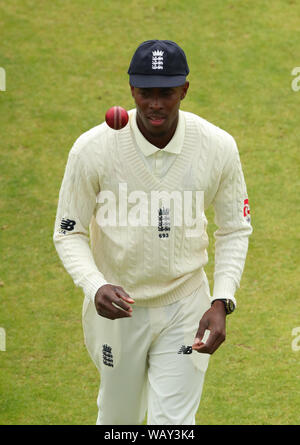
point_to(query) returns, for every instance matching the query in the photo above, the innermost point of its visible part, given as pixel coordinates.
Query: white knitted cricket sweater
(141, 246)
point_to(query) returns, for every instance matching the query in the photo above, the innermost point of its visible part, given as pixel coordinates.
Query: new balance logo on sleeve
(67, 225)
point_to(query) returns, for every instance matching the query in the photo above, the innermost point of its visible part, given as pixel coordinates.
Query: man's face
(157, 109)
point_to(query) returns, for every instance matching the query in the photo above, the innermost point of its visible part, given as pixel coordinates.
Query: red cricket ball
(116, 117)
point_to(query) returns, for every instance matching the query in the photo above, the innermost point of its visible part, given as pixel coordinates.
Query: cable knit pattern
(154, 271)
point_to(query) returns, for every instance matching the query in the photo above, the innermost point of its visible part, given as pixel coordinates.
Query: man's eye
(167, 92)
(144, 93)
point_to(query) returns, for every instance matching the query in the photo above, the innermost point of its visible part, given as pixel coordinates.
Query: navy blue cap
(158, 64)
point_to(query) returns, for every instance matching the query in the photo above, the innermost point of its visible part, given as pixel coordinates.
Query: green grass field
(66, 62)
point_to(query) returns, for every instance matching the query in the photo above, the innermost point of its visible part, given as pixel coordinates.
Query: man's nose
(155, 103)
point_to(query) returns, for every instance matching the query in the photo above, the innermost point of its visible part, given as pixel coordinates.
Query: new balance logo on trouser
(142, 363)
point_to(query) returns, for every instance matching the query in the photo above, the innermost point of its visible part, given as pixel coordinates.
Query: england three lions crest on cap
(158, 64)
(157, 60)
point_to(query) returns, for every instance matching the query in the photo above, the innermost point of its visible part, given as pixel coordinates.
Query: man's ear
(132, 90)
(185, 88)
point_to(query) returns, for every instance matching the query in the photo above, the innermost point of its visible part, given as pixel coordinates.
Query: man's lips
(156, 120)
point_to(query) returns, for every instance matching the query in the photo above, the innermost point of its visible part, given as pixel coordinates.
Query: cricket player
(131, 231)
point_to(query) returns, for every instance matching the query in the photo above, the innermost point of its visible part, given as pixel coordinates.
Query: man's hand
(214, 319)
(107, 297)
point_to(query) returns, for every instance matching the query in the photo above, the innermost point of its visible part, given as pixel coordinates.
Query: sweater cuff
(224, 288)
(91, 285)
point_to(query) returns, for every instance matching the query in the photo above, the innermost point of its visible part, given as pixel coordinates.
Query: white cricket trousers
(143, 364)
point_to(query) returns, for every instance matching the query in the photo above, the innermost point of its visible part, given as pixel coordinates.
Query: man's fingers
(113, 303)
(117, 312)
(200, 334)
(113, 313)
(213, 342)
(120, 291)
(115, 307)
(118, 307)
(120, 304)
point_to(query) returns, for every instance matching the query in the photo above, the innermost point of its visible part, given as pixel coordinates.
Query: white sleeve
(76, 204)
(232, 217)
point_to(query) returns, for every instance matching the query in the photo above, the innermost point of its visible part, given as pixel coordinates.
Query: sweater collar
(174, 146)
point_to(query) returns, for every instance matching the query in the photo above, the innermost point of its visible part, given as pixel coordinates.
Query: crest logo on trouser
(107, 356)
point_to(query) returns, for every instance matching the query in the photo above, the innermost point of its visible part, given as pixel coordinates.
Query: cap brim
(150, 81)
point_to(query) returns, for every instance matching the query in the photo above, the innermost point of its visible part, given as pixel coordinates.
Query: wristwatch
(228, 304)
